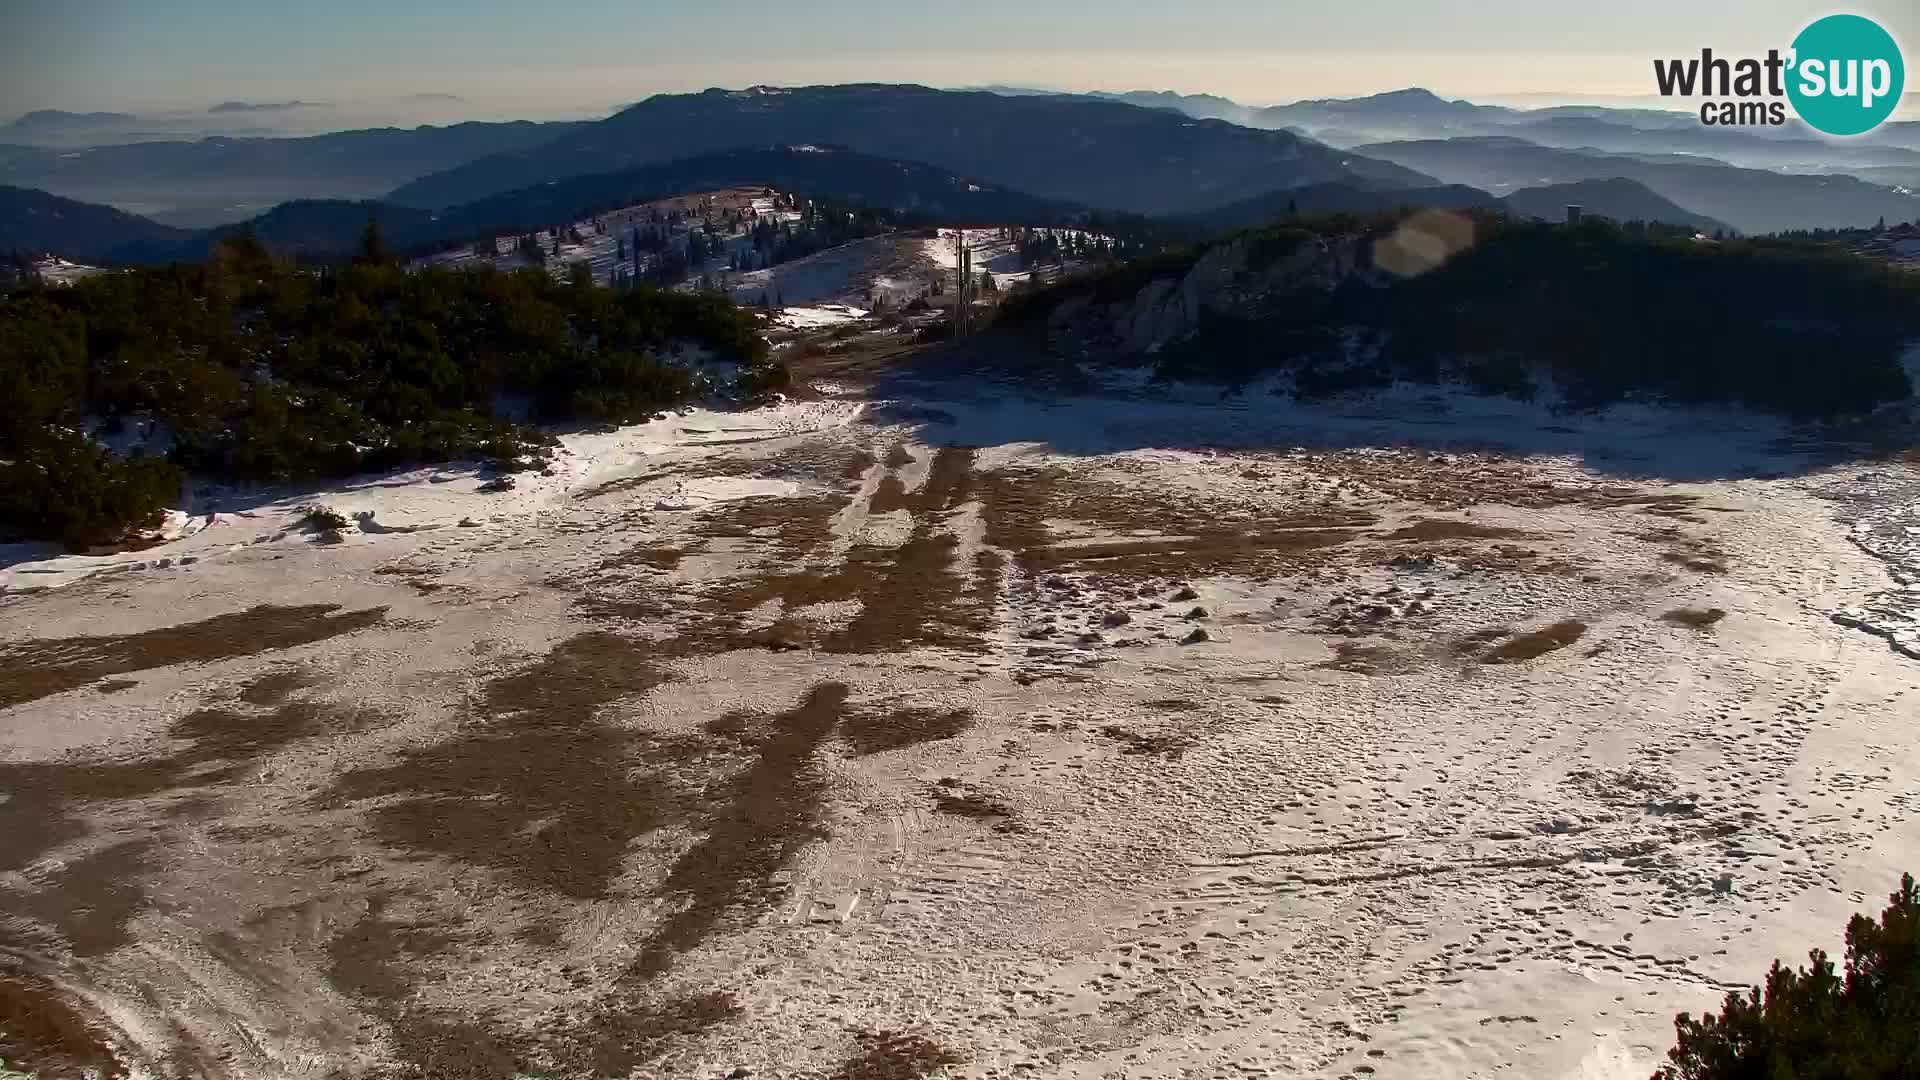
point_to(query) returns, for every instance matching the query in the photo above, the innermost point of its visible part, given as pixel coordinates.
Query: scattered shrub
(1811, 1024)
(323, 517)
(764, 380)
(67, 489)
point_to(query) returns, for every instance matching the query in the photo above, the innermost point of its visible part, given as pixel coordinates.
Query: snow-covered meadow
(1148, 733)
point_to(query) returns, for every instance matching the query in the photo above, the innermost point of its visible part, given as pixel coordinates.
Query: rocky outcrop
(1238, 278)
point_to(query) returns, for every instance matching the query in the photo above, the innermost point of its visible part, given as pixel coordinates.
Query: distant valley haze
(204, 113)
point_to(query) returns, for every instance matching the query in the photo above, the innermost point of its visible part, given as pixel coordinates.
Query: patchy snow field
(888, 271)
(601, 249)
(990, 253)
(58, 271)
(967, 735)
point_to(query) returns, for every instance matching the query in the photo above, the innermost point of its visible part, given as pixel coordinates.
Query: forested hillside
(1103, 154)
(254, 371)
(1596, 314)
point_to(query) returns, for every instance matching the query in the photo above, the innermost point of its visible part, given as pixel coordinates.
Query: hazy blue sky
(524, 55)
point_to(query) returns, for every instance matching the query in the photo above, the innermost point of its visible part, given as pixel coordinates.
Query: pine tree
(373, 245)
(1811, 1022)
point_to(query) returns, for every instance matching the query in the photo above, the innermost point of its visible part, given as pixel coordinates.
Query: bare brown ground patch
(821, 463)
(89, 899)
(886, 1055)
(878, 732)
(44, 1033)
(794, 527)
(43, 809)
(857, 465)
(1537, 643)
(379, 961)
(1464, 480)
(275, 687)
(826, 464)
(772, 811)
(646, 556)
(236, 737)
(951, 797)
(1364, 658)
(1512, 559)
(418, 578)
(1015, 508)
(790, 533)
(34, 669)
(912, 595)
(619, 1040)
(889, 496)
(1694, 618)
(1694, 553)
(1197, 539)
(586, 800)
(604, 609)
(1160, 744)
(625, 586)
(366, 962)
(1479, 639)
(701, 469)
(538, 788)
(1430, 529)
(1696, 562)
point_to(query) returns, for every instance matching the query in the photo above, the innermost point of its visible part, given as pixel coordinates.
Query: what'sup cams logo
(1843, 75)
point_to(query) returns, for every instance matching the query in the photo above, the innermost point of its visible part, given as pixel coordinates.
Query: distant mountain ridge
(1616, 197)
(1147, 151)
(217, 171)
(1889, 155)
(820, 171)
(263, 106)
(1318, 200)
(36, 221)
(52, 118)
(1197, 106)
(1751, 200)
(1619, 199)
(1104, 154)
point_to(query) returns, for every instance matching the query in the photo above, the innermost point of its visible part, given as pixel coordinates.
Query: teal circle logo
(1847, 75)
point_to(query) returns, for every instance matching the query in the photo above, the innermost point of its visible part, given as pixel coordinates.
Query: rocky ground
(962, 734)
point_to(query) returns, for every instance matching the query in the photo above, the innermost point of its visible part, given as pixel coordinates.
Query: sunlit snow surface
(1891, 534)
